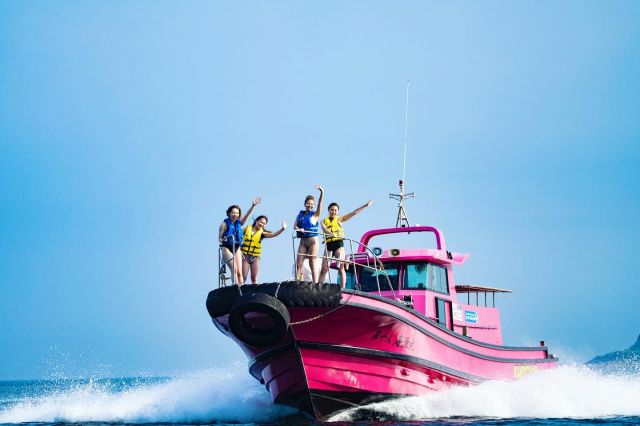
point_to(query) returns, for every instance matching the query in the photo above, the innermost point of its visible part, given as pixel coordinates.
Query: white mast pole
(406, 132)
(402, 220)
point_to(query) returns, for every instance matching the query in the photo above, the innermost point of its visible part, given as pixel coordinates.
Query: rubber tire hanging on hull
(263, 305)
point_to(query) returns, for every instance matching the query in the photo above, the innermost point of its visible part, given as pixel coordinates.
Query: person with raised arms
(306, 227)
(252, 246)
(230, 237)
(334, 239)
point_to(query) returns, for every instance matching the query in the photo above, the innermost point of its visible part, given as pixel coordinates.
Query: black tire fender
(275, 320)
(220, 301)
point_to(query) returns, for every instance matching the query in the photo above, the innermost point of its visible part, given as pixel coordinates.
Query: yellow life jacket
(252, 242)
(335, 227)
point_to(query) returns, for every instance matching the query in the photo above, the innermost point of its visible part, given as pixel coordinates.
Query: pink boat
(398, 329)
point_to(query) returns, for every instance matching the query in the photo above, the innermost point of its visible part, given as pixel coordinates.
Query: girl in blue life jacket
(306, 227)
(334, 238)
(252, 246)
(230, 237)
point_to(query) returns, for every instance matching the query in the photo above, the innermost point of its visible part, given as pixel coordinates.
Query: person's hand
(256, 201)
(319, 188)
(284, 225)
(369, 203)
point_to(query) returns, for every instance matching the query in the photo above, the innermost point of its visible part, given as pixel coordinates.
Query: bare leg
(237, 262)
(255, 268)
(226, 255)
(227, 261)
(343, 274)
(313, 259)
(302, 251)
(325, 265)
(245, 270)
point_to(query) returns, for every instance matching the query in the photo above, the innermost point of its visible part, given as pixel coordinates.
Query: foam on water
(216, 395)
(567, 392)
(231, 395)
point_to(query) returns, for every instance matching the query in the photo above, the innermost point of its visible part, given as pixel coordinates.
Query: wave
(567, 392)
(214, 395)
(230, 395)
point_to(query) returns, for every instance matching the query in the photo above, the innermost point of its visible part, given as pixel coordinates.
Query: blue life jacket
(233, 233)
(304, 221)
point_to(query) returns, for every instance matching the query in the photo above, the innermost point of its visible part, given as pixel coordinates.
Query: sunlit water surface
(568, 395)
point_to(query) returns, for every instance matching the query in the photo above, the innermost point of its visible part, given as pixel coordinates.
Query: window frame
(430, 266)
(383, 287)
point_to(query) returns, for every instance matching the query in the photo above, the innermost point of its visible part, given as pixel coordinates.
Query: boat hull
(370, 349)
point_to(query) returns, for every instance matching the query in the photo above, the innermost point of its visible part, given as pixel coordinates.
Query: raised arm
(254, 203)
(319, 205)
(348, 216)
(269, 234)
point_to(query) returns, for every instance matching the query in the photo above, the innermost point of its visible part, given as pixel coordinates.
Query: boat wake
(224, 395)
(229, 395)
(566, 392)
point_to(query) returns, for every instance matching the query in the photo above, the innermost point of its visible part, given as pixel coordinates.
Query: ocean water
(565, 396)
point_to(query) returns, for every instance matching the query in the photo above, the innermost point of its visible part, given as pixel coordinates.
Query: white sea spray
(566, 392)
(214, 395)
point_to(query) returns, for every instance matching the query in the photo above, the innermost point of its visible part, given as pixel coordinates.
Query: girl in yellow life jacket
(334, 238)
(252, 246)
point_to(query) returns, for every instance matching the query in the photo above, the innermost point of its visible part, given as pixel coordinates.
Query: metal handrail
(222, 277)
(378, 266)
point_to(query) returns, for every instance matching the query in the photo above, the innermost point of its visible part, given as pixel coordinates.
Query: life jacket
(304, 221)
(334, 227)
(233, 232)
(252, 242)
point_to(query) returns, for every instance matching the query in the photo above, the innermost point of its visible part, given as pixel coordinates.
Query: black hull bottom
(322, 405)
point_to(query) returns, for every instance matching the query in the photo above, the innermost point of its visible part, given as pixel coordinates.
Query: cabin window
(439, 277)
(351, 282)
(416, 276)
(444, 313)
(441, 311)
(369, 278)
(425, 276)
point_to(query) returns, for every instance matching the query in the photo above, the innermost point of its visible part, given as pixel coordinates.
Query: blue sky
(126, 129)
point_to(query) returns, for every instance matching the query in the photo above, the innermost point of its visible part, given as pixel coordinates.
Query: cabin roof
(465, 288)
(440, 254)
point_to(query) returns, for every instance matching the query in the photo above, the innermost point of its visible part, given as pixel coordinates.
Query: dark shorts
(231, 247)
(335, 245)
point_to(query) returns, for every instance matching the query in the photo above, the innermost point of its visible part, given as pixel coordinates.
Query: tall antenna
(402, 219)
(406, 131)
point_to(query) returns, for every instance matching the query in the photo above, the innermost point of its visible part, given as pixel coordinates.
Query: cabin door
(444, 313)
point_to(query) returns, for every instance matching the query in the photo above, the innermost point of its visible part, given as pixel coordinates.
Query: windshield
(369, 278)
(427, 276)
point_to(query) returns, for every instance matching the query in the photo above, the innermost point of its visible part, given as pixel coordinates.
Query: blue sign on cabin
(471, 316)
